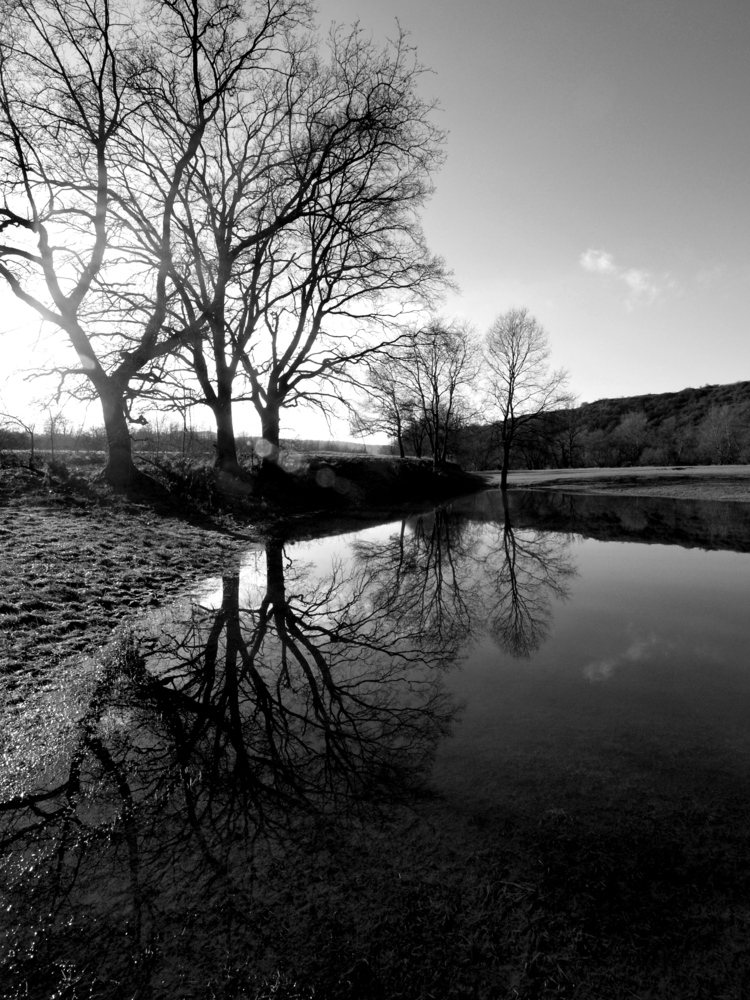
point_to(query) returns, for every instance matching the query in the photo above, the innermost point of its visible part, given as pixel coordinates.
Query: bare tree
(520, 383)
(390, 406)
(56, 425)
(27, 428)
(719, 434)
(238, 192)
(631, 436)
(299, 231)
(421, 387)
(445, 367)
(104, 106)
(356, 261)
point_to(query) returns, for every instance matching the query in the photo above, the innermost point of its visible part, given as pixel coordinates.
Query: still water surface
(522, 662)
(576, 658)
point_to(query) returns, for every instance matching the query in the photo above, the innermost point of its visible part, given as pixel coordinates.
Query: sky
(597, 173)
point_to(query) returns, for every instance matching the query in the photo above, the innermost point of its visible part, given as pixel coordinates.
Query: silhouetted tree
(390, 406)
(8, 421)
(520, 383)
(104, 108)
(299, 230)
(420, 388)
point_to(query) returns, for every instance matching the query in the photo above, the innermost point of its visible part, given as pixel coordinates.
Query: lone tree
(521, 385)
(103, 108)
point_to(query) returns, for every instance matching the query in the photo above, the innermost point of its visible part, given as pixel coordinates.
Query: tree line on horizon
(709, 425)
(422, 393)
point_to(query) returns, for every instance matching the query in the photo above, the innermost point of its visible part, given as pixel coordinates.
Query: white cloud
(601, 670)
(642, 648)
(640, 283)
(643, 286)
(598, 261)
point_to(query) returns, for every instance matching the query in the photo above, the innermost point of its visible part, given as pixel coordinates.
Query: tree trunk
(119, 470)
(270, 424)
(273, 477)
(506, 466)
(226, 444)
(400, 437)
(506, 513)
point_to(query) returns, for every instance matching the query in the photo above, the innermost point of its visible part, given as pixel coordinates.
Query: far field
(700, 482)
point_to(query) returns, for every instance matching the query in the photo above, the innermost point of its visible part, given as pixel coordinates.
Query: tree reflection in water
(212, 761)
(524, 571)
(318, 694)
(284, 716)
(457, 579)
(426, 572)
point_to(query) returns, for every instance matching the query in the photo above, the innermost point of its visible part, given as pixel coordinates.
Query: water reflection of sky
(643, 661)
(644, 678)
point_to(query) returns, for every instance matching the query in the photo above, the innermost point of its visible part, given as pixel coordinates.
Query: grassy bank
(79, 558)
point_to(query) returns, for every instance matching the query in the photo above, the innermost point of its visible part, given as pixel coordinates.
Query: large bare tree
(300, 231)
(520, 383)
(103, 108)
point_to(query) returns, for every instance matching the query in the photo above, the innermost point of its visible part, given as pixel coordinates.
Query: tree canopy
(194, 191)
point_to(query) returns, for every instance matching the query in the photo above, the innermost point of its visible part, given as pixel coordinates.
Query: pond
(495, 749)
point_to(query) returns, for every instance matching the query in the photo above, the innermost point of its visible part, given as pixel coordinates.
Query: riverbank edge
(729, 483)
(82, 560)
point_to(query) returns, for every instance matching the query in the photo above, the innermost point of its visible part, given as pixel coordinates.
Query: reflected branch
(534, 570)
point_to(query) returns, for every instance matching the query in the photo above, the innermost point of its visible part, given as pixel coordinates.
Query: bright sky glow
(597, 174)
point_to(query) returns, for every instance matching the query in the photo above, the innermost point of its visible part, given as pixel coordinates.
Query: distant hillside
(689, 406)
(706, 426)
